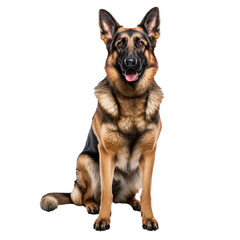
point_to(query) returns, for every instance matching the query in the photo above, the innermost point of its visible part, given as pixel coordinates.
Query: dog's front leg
(146, 168)
(107, 166)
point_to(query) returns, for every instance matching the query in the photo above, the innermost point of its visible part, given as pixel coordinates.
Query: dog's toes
(136, 206)
(150, 224)
(93, 209)
(101, 224)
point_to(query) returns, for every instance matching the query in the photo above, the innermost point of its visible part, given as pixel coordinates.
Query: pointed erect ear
(151, 24)
(108, 25)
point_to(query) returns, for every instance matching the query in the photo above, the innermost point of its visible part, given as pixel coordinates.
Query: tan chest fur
(132, 114)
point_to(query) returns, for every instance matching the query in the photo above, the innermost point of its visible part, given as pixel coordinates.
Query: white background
(51, 58)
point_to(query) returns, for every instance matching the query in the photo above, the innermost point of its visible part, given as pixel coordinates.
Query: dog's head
(131, 63)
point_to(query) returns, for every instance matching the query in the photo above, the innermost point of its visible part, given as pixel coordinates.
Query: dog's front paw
(150, 224)
(102, 224)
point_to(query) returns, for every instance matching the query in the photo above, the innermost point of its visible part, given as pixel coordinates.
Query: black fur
(155, 118)
(116, 187)
(91, 146)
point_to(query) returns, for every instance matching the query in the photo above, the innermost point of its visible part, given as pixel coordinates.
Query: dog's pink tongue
(131, 75)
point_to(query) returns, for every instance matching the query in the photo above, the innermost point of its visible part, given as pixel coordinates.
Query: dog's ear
(151, 24)
(108, 25)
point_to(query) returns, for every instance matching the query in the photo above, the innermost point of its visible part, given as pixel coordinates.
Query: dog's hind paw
(93, 208)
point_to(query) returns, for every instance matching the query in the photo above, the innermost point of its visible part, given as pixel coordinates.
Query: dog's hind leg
(81, 197)
(87, 189)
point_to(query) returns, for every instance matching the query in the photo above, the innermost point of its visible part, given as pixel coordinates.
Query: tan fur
(154, 100)
(76, 196)
(132, 114)
(107, 166)
(106, 100)
(86, 191)
(146, 167)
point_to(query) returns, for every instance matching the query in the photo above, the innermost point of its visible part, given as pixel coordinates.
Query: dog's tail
(50, 201)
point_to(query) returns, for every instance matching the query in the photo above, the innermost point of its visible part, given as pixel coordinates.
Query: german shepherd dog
(119, 154)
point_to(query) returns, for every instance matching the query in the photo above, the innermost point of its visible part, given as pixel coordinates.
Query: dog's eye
(120, 44)
(140, 44)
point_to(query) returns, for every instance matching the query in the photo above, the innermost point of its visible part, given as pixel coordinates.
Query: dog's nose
(130, 62)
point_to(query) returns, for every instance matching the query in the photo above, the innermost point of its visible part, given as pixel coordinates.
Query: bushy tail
(50, 201)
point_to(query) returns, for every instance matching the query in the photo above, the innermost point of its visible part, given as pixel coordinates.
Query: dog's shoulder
(106, 98)
(154, 100)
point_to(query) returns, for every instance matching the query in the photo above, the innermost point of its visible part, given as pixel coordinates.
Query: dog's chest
(131, 124)
(132, 115)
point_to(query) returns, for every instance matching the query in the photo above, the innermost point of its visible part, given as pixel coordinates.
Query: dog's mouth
(131, 75)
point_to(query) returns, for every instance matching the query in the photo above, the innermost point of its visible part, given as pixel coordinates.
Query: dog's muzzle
(131, 68)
